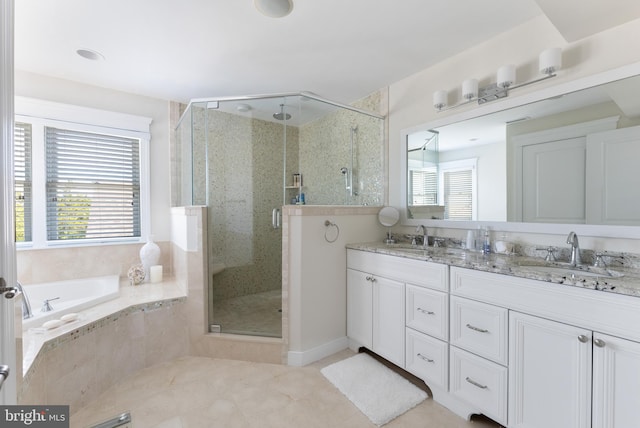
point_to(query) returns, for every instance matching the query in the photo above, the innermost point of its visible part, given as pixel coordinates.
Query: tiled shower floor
(255, 314)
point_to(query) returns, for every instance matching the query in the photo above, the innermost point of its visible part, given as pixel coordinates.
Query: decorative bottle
(149, 256)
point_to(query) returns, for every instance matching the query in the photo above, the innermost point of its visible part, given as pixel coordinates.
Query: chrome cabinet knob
(599, 343)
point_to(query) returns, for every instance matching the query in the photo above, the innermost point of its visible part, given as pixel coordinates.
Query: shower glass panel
(246, 157)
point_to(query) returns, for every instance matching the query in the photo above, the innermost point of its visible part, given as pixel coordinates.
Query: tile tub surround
(144, 326)
(629, 284)
(60, 264)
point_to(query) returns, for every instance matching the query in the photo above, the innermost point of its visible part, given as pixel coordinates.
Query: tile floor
(254, 314)
(208, 393)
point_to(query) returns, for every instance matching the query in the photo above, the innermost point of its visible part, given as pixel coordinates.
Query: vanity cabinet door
(388, 319)
(359, 309)
(549, 374)
(616, 382)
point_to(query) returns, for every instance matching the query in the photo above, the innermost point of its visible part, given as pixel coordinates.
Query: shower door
(246, 158)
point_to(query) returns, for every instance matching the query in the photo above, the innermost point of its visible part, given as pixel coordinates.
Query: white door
(7, 246)
(616, 382)
(613, 182)
(388, 319)
(549, 374)
(359, 309)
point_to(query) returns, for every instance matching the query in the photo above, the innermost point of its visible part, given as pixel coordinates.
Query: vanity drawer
(479, 328)
(427, 311)
(427, 358)
(419, 272)
(480, 383)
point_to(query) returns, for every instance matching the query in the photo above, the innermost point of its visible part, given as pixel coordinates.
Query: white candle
(155, 273)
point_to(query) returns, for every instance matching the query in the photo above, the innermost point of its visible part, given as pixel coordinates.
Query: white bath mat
(380, 393)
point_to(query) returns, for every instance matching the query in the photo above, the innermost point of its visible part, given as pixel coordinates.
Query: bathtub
(74, 296)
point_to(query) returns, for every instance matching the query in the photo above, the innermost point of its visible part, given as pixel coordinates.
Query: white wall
(64, 91)
(317, 282)
(410, 100)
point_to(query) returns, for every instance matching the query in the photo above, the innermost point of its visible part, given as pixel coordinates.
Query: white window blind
(92, 185)
(424, 186)
(23, 181)
(458, 194)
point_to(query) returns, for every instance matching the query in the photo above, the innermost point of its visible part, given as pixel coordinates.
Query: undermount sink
(429, 251)
(572, 271)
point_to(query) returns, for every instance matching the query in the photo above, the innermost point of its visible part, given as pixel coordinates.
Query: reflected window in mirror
(436, 189)
(458, 189)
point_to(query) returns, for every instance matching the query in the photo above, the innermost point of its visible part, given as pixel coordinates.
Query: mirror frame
(608, 231)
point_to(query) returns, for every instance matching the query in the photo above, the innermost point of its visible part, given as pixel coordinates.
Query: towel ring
(329, 226)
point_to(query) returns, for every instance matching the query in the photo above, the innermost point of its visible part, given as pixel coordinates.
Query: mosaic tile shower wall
(326, 146)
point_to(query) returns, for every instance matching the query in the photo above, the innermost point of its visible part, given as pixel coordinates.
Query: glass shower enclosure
(244, 158)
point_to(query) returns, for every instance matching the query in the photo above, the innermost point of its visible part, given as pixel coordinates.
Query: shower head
(281, 116)
(344, 170)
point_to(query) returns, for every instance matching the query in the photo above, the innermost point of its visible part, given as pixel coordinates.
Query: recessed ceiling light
(90, 54)
(274, 8)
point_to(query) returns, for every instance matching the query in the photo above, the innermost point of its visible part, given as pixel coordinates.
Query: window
(93, 185)
(81, 175)
(22, 177)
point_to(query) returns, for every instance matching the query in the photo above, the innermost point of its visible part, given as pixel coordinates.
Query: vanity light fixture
(549, 62)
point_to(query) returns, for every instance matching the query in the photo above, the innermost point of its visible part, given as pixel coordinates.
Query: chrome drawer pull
(474, 383)
(424, 311)
(478, 329)
(428, 360)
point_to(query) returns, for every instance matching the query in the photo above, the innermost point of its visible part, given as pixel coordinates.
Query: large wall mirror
(568, 155)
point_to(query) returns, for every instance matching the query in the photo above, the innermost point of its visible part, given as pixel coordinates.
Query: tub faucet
(425, 235)
(26, 306)
(46, 306)
(572, 240)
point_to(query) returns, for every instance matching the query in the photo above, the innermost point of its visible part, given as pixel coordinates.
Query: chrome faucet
(425, 235)
(46, 306)
(26, 306)
(572, 240)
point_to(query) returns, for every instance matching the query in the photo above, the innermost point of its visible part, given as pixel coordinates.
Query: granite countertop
(515, 265)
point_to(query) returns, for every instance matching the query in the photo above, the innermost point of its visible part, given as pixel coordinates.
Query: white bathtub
(74, 296)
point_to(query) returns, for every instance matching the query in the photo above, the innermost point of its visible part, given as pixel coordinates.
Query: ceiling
(342, 50)
(184, 49)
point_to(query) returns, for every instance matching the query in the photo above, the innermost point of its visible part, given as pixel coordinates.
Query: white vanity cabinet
(550, 373)
(359, 309)
(574, 353)
(375, 306)
(478, 372)
(616, 382)
(376, 302)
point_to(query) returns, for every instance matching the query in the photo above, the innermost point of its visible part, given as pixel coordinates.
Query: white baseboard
(302, 358)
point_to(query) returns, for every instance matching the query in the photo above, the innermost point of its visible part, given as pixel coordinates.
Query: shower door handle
(275, 218)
